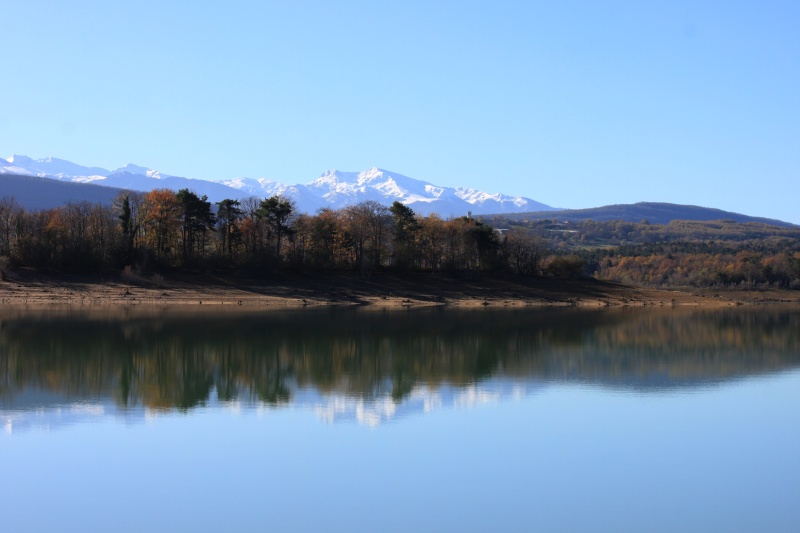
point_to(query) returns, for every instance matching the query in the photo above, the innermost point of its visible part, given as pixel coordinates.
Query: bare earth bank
(379, 290)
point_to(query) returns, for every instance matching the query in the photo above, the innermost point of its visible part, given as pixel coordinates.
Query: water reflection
(373, 366)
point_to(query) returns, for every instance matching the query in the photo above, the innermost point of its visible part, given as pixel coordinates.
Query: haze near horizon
(573, 104)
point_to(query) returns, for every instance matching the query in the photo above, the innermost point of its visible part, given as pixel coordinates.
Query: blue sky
(574, 104)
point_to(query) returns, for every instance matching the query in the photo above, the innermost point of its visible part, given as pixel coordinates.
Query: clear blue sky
(574, 104)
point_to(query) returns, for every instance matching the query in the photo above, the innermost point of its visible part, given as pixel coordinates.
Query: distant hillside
(653, 212)
(33, 193)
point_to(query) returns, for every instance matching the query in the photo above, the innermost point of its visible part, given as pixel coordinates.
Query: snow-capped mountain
(334, 189)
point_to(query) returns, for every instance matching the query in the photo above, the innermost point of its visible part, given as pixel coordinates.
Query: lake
(407, 420)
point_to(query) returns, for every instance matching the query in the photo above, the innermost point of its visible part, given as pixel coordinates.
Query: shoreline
(378, 291)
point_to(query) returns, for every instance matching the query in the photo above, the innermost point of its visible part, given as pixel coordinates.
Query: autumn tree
(161, 222)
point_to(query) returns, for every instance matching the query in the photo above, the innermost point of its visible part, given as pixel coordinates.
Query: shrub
(5, 264)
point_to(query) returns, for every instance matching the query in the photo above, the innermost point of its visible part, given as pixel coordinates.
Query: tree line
(162, 229)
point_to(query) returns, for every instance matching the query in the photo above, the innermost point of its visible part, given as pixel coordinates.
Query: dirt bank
(29, 288)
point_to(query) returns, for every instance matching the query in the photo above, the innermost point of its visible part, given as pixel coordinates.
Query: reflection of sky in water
(641, 421)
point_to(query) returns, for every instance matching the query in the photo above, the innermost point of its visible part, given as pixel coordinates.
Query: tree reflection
(180, 362)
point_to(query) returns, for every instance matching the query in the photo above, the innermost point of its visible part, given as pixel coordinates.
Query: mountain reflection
(372, 365)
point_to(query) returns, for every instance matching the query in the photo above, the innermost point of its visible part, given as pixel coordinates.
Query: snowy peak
(372, 175)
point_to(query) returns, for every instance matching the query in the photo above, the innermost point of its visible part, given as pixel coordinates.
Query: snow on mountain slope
(508, 204)
(252, 187)
(334, 189)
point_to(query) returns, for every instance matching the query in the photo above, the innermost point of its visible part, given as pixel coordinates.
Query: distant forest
(163, 231)
(681, 253)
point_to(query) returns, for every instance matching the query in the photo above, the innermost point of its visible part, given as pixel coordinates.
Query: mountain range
(334, 189)
(51, 182)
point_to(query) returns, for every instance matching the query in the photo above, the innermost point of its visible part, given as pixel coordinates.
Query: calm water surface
(169, 420)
